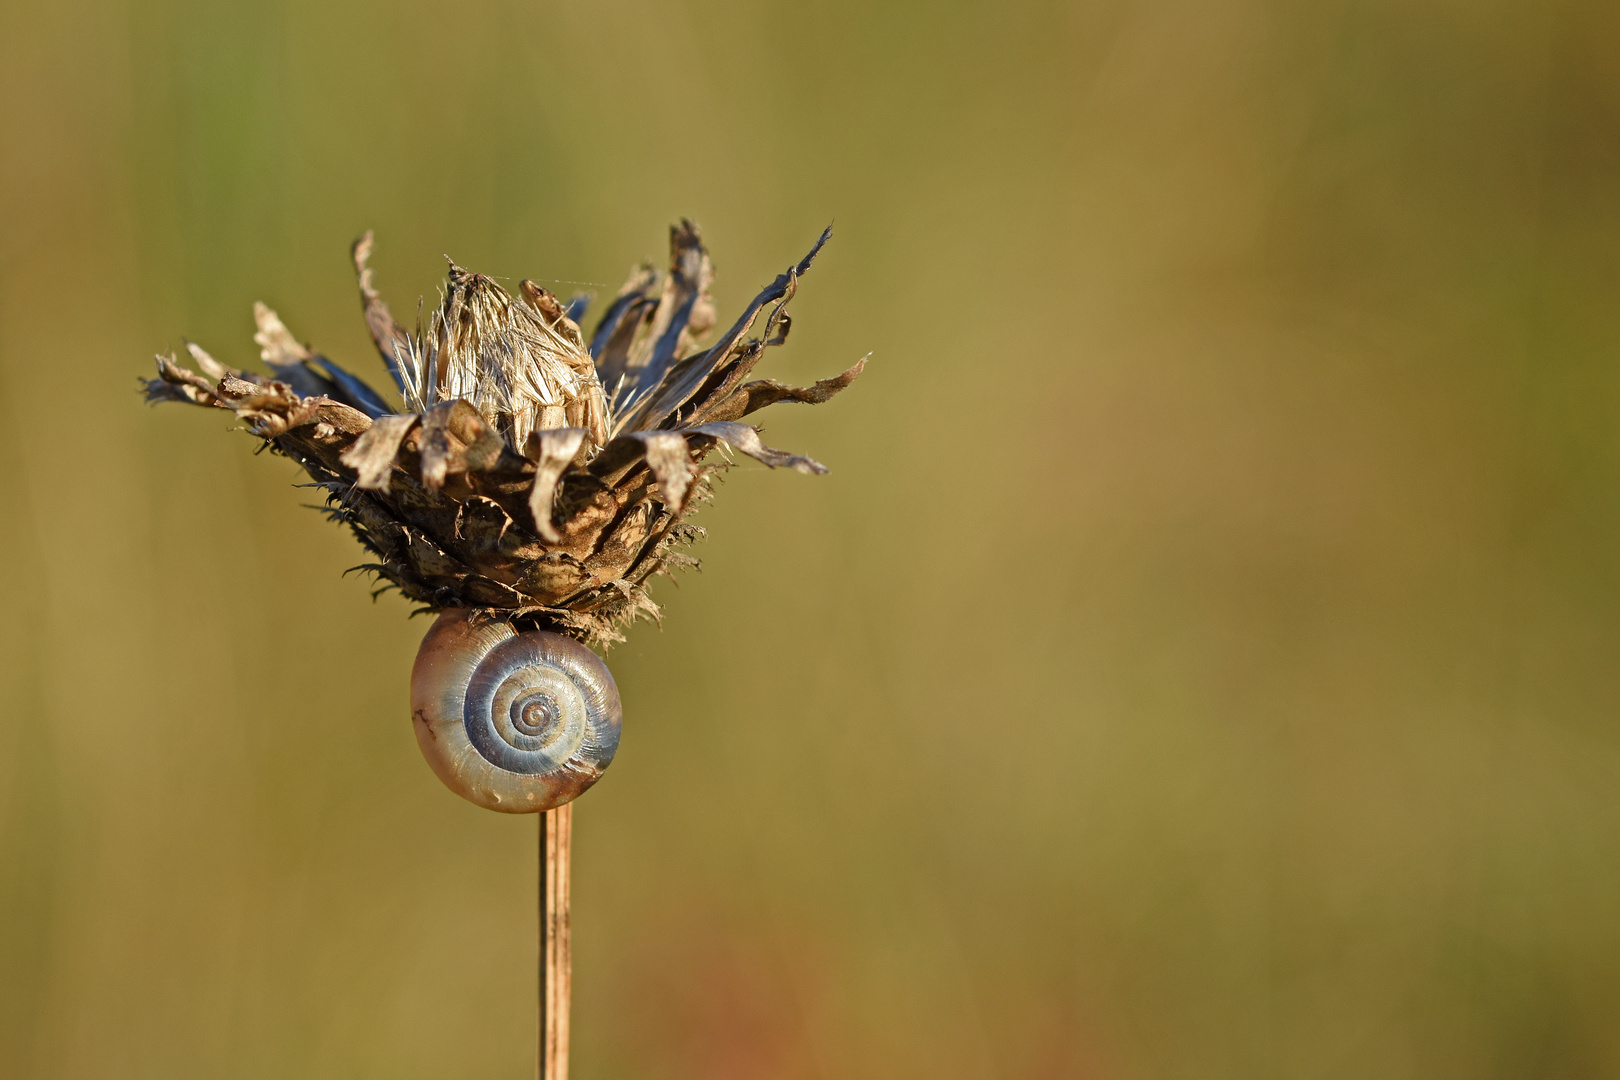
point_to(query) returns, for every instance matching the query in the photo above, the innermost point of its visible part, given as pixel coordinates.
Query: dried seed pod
(517, 721)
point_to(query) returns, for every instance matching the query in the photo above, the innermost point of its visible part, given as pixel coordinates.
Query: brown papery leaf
(757, 395)
(390, 338)
(686, 377)
(456, 438)
(551, 451)
(372, 455)
(746, 439)
(671, 463)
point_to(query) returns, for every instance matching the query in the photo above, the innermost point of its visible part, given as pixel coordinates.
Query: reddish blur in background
(1200, 663)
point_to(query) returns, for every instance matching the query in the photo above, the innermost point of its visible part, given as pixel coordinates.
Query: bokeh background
(1201, 661)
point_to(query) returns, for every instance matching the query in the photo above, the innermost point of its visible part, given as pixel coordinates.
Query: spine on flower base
(556, 965)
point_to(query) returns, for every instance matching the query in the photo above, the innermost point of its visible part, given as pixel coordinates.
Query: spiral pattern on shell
(514, 721)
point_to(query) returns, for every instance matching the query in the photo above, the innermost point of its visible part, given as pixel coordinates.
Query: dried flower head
(531, 473)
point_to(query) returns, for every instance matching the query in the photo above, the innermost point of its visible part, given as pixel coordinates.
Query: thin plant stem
(556, 964)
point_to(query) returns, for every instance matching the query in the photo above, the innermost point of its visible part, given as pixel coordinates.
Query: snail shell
(517, 722)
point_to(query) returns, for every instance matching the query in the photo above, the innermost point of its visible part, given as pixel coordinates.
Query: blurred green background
(1201, 661)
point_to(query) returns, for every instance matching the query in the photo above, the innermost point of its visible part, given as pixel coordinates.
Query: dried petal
(685, 287)
(610, 343)
(372, 455)
(746, 439)
(756, 395)
(210, 367)
(295, 365)
(175, 383)
(666, 454)
(689, 375)
(551, 451)
(391, 338)
(351, 390)
(671, 462)
(278, 347)
(455, 438)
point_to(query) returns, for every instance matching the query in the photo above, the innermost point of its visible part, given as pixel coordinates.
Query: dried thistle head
(522, 364)
(532, 473)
